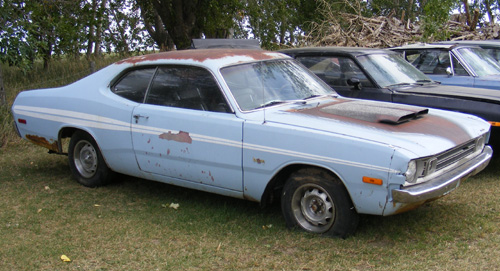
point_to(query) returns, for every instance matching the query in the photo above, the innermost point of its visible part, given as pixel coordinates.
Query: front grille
(454, 155)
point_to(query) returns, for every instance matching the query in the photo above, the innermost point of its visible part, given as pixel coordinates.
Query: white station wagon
(255, 125)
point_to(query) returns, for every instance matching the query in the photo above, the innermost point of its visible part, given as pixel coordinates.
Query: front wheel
(86, 162)
(318, 202)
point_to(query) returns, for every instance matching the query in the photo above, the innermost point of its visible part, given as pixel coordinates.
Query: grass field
(129, 225)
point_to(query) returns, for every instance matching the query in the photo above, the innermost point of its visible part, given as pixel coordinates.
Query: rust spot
(200, 55)
(182, 137)
(247, 197)
(168, 151)
(209, 174)
(259, 161)
(428, 124)
(41, 141)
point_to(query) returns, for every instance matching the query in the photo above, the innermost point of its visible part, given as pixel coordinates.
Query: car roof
(473, 42)
(225, 43)
(355, 51)
(432, 46)
(209, 57)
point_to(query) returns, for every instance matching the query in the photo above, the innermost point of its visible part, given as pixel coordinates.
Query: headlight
(411, 172)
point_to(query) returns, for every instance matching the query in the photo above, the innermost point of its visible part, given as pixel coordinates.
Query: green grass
(129, 226)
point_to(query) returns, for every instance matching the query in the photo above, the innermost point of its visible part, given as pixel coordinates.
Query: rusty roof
(202, 55)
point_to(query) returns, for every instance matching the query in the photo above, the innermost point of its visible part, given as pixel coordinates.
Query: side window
(186, 87)
(494, 52)
(133, 85)
(429, 61)
(335, 71)
(458, 69)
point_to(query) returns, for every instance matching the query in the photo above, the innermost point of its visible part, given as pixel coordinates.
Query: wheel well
(275, 186)
(64, 133)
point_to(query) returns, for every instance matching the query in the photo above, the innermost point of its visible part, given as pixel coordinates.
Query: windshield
(480, 61)
(391, 69)
(260, 84)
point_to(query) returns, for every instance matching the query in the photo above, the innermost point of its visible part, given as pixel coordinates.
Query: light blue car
(454, 64)
(254, 125)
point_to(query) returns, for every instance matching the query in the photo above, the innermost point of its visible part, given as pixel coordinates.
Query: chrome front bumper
(445, 183)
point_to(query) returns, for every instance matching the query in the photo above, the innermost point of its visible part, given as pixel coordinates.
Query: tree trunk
(3, 100)
(179, 17)
(98, 32)
(90, 44)
(158, 32)
(475, 20)
(467, 12)
(491, 16)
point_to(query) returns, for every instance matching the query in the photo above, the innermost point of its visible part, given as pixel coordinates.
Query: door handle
(137, 116)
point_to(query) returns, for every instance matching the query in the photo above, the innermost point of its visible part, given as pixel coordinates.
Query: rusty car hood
(417, 129)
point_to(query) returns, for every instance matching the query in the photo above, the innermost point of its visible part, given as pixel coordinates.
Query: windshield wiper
(270, 103)
(401, 84)
(318, 95)
(275, 102)
(425, 81)
(313, 96)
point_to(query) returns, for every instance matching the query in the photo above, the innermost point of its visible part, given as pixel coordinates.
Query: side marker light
(372, 180)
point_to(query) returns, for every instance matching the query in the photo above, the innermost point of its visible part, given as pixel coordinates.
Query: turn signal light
(371, 180)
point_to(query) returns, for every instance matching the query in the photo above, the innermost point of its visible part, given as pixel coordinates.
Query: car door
(345, 76)
(185, 130)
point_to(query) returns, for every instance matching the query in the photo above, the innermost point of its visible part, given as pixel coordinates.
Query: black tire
(86, 162)
(317, 202)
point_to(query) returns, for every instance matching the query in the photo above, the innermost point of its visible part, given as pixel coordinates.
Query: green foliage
(14, 46)
(34, 29)
(219, 19)
(279, 23)
(436, 14)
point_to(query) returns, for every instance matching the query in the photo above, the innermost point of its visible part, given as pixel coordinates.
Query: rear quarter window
(133, 84)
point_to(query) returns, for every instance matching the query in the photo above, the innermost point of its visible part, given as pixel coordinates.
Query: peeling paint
(258, 161)
(182, 137)
(201, 55)
(42, 141)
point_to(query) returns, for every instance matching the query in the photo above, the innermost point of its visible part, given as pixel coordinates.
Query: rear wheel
(318, 202)
(86, 162)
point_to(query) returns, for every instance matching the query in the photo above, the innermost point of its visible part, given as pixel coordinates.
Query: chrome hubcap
(313, 208)
(85, 157)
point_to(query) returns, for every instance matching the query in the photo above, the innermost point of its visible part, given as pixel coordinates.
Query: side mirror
(354, 82)
(449, 72)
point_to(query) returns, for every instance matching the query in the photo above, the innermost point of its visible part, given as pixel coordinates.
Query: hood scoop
(376, 112)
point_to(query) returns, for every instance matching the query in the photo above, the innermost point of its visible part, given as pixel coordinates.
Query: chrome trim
(444, 183)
